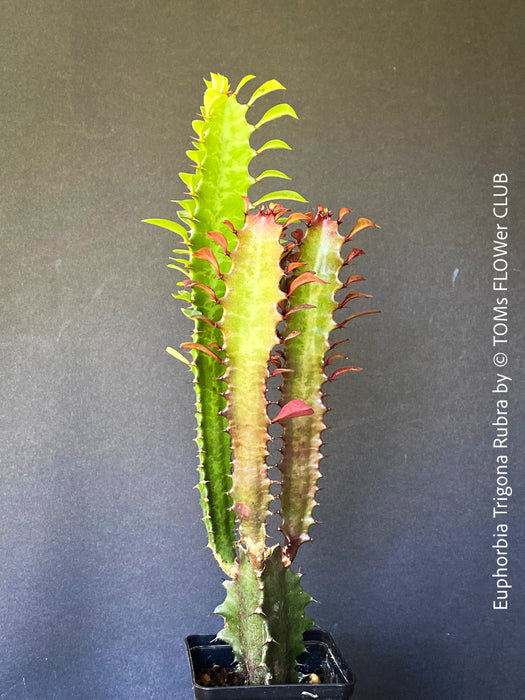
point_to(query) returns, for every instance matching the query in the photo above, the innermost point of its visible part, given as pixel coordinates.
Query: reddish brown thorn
(229, 225)
(352, 279)
(353, 295)
(360, 224)
(208, 255)
(334, 357)
(294, 266)
(280, 370)
(301, 307)
(361, 313)
(334, 345)
(215, 345)
(246, 204)
(220, 239)
(202, 348)
(343, 212)
(292, 409)
(354, 253)
(305, 278)
(297, 216)
(204, 287)
(275, 360)
(291, 335)
(343, 370)
(289, 247)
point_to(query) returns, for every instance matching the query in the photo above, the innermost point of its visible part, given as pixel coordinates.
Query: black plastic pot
(321, 655)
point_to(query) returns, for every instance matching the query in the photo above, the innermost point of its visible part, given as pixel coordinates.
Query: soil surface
(218, 676)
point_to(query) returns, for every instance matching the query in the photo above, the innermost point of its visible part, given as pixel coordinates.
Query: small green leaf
(184, 296)
(195, 156)
(280, 194)
(179, 260)
(274, 143)
(180, 269)
(178, 355)
(171, 226)
(199, 127)
(188, 179)
(244, 80)
(275, 112)
(188, 205)
(268, 86)
(272, 173)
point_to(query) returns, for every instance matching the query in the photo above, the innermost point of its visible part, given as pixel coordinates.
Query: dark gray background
(406, 111)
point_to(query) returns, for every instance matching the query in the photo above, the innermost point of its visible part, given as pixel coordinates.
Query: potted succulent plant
(262, 285)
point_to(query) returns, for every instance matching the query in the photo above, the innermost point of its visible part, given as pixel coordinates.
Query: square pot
(205, 651)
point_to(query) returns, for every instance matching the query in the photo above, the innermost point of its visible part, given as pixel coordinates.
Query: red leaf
(297, 235)
(229, 225)
(361, 224)
(292, 409)
(200, 285)
(353, 278)
(294, 266)
(297, 216)
(280, 370)
(208, 255)
(278, 210)
(334, 357)
(345, 340)
(343, 370)
(354, 295)
(305, 278)
(301, 307)
(202, 348)
(291, 335)
(361, 313)
(343, 212)
(200, 317)
(354, 253)
(219, 238)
